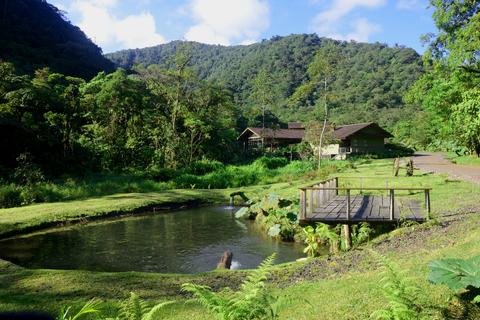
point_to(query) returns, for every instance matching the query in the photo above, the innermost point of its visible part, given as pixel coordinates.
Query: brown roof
(295, 125)
(277, 133)
(340, 132)
(343, 132)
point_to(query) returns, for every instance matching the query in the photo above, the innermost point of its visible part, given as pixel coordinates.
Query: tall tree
(321, 71)
(263, 95)
(116, 106)
(447, 92)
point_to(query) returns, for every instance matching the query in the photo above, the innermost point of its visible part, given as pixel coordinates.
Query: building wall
(331, 149)
(367, 144)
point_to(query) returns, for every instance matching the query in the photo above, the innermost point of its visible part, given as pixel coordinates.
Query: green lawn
(342, 288)
(472, 160)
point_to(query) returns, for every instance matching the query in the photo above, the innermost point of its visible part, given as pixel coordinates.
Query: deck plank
(364, 208)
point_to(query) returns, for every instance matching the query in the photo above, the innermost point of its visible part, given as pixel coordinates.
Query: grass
(447, 194)
(471, 160)
(346, 288)
(37, 216)
(202, 175)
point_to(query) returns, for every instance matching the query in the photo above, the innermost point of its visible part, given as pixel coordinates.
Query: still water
(187, 241)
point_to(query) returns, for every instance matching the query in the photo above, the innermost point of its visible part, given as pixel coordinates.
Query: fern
(136, 309)
(88, 308)
(401, 296)
(133, 308)
(252, 301)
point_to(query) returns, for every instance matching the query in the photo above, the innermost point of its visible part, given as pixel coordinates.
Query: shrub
(243, 176)
(189, 181)
(203, 167)
(27, 173)
(270, 162)
(163, 174)
(317, 237)
(10, 196)
(281, 223)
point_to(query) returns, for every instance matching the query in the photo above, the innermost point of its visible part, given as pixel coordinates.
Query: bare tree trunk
(320, 146)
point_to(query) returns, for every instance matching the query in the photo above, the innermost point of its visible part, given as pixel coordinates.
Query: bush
(10, 196)
(163, 174)
(203, 167)
(270, 162)
(189, 181)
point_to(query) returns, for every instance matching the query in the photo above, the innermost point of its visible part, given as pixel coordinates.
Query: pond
(187, 241)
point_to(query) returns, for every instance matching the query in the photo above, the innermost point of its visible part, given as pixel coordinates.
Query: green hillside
(371, 77)
(35, 34)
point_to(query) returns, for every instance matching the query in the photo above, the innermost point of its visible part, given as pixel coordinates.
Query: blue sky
(123, 24)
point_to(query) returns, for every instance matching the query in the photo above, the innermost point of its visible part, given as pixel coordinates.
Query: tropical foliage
(445, 99)
(404, 298)
(252, 301)
(457, 274)
(367, 85)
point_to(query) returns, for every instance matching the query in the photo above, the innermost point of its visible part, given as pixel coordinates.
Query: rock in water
(225, 261)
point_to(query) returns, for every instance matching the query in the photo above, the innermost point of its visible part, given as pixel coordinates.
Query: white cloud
(98, 21)
(227, 21)
(328, 22)
(138, 31)
(362, 29)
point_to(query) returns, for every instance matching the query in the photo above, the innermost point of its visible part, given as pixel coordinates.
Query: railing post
(348, 204)
(310, 202)
(392, 204)
(322, 194)
(302, 204)
(427, 202)
(336, 186)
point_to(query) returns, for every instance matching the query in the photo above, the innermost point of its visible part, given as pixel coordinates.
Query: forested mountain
(371, 77)
(35, 34)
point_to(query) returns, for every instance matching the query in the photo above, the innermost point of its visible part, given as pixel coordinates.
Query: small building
(352, 139)
(254, 138)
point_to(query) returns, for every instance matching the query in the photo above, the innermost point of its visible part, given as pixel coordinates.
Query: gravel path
(436, 163)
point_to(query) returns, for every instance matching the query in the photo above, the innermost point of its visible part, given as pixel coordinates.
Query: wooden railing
(317, 194)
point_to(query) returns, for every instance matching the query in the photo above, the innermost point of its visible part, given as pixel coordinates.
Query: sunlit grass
(352, 295)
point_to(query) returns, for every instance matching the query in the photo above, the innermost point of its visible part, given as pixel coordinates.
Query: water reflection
(186, 241)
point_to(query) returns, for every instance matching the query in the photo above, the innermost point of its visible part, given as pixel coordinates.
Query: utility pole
(325, 115)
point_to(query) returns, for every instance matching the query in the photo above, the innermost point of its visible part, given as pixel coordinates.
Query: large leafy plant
(317, 237)
(457, 274)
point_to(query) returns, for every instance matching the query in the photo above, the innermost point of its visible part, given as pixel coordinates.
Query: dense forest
(367, 86)
(174, 104)
(35, 34)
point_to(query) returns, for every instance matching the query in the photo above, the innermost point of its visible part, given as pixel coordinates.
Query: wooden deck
(365, 208)
(328, 203)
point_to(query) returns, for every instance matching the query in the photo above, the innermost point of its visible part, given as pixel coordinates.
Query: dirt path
(436, 162)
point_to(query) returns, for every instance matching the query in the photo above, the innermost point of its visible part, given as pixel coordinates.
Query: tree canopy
(35, 34)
